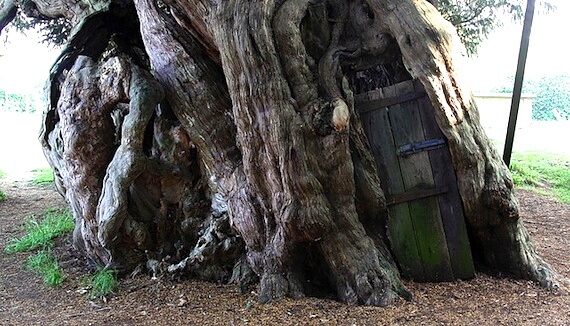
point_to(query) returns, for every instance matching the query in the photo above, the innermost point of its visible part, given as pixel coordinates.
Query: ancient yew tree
(220, 139)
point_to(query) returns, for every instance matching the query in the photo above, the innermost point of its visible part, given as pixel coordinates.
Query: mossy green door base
(426, 229)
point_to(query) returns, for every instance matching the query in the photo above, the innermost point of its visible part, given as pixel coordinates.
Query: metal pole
(517, 89)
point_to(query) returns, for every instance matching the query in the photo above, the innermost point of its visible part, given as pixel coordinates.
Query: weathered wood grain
(258, 137)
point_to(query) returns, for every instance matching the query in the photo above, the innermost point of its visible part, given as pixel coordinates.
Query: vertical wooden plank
(449, 203)
(417, 174)
(400, 229)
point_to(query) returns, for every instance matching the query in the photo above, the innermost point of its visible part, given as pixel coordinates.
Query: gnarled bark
(243, 149)
(8, 12)
(430, 53)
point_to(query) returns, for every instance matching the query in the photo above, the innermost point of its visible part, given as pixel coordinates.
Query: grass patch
(44, 264)
(103, 283)
(43, 176)
(40, 232)
(2, 194)
(541, 171)
(39, 235)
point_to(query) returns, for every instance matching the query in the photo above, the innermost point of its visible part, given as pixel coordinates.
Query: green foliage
(536, 170)
(103, 283)
(53, 31)
(2, 194)
(475, 19)
(46, 265)
(18, 102)
(39, 233)
(552, 96)
(43, 176)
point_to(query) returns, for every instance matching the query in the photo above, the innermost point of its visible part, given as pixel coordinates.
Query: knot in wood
(341, 115)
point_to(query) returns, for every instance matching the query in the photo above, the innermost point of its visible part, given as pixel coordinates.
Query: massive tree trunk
(221, 138)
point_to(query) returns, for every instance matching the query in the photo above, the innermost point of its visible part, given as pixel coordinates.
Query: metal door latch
(416, 147)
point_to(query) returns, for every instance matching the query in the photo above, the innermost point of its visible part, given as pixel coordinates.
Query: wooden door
(426, 228)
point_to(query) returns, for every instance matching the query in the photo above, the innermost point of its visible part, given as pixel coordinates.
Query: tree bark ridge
(8, 12)
(430, 50)
(231, 141)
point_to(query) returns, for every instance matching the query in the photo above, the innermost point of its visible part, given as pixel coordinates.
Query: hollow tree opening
(221, 139)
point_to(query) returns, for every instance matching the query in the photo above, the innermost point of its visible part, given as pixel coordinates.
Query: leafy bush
(552, 93)
(19, 102)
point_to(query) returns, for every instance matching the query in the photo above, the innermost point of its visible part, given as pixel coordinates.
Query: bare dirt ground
(140, 300)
